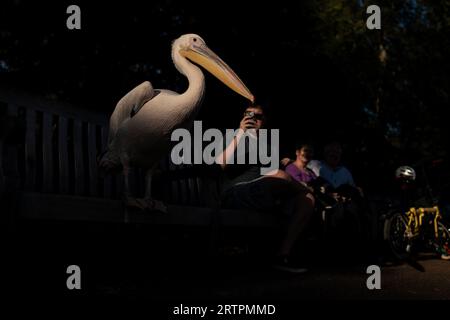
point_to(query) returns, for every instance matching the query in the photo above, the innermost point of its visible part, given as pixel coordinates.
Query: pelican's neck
(194, 92)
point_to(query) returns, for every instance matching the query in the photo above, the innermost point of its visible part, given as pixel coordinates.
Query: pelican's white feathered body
(144, 119)
(144, 138)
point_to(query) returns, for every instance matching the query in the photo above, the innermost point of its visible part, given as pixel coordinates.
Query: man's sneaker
(284, 263)
(445, 255)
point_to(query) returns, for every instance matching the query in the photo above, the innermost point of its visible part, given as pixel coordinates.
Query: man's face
(333, 153)
(258, 117)
(305, 154)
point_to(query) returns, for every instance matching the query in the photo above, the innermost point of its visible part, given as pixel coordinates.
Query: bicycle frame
(415, 220)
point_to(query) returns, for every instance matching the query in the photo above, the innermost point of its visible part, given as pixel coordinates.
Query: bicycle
(418, 228)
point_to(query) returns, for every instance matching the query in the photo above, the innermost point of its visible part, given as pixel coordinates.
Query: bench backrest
(52, 147)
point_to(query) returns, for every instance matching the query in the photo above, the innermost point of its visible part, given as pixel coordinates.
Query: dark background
(323, 74)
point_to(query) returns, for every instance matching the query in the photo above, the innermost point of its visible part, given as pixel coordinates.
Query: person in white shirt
(330, 168)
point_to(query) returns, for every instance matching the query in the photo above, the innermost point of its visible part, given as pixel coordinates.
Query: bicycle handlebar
(427, 210)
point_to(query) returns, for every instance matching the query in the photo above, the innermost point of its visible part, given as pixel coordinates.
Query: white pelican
(143, 120)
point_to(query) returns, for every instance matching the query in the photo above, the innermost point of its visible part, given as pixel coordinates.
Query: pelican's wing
(129, 105)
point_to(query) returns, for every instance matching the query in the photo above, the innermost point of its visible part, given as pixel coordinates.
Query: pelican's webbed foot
(154, 205)
(145, 204)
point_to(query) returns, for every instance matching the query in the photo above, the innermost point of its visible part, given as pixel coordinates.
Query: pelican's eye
(195, 39)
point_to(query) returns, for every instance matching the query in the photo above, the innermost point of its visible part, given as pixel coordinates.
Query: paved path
(397, 282)
(429, 279)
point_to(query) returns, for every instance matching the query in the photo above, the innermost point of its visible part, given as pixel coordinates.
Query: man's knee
(280, 174)
(311, 199)
(306, 202)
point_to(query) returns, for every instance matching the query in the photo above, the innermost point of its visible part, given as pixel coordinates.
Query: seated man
(248, 189)
(331, 169)
(342, 186)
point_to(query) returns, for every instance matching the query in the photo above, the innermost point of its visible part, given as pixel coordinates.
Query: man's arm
(352, 183)
(349, 178)
(224, 157)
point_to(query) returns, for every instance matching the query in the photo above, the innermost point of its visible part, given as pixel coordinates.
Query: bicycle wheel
(442, 242)
(395, 234)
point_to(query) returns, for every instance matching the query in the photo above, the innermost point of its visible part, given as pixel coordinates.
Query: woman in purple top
(297, 169)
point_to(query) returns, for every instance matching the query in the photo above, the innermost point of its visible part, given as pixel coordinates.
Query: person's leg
(302, 211)
(298, 204)
(262, 194)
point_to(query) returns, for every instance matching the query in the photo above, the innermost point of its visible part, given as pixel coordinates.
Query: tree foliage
(314, 60)
(400, 73)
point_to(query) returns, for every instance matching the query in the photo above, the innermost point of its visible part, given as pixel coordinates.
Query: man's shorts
(260, 194)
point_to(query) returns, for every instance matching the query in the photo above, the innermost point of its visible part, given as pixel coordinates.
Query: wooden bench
(48, 170)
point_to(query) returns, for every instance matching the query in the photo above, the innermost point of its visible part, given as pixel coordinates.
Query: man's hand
(361, 192)
(285, 161)
(247, 123)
